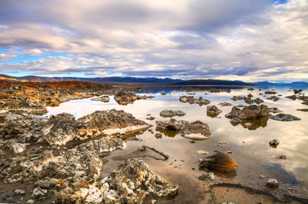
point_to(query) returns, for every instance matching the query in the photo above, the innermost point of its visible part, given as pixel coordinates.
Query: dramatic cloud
(235, 39)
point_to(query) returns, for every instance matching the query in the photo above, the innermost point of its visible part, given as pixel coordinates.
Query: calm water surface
(249, 147)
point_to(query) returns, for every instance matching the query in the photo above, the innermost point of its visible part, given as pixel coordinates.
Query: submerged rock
(192, 100)
(284, 117)
(194, 130)
(171, 113)
(213, 111)
(251, 117)
(219, 162)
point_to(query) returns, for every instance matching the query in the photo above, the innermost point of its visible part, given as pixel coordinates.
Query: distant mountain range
(297, 85)
(158, 81)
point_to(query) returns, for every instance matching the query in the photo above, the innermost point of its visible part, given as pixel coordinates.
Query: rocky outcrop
(171, 113)
(213, 111)
(284, 117)
(250, 117)
(132, 182)
(64, 128)
(125, 98)
(192, 100)
(195, 130)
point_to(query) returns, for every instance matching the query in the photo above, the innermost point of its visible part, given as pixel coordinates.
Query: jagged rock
(61, 129)
(219, 162)
(213, 111)
(192, 100)
(195, 130)
(171, 113)
(284, 117)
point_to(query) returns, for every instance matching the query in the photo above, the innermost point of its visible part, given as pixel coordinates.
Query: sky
(249, 40)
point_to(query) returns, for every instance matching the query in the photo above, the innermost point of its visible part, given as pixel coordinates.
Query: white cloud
(238, 39)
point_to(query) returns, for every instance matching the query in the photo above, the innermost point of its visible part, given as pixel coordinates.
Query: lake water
(249, 148)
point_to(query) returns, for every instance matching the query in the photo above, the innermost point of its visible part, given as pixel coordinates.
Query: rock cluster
(250, 117)
(195, 130)
(192, 100)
